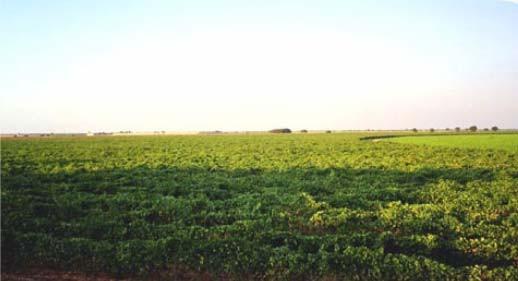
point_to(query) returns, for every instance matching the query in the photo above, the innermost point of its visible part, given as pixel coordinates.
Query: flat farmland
(262, 207)
(507, 142)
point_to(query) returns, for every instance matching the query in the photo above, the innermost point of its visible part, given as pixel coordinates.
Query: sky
(78, 66)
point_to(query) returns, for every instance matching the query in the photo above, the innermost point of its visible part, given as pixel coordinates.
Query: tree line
(472, 128)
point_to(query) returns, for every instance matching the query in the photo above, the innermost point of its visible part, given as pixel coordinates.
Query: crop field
(262, 207)
(488, 141)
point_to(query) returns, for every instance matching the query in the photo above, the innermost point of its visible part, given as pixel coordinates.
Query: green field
(487, 141)
(261, 207)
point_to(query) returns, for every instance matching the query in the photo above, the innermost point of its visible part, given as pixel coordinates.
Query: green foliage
(274, 207)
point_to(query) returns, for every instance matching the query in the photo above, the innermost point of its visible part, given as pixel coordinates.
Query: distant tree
(280, 131)
(486, 129)
(414, 130)
(304, 131)
(206, 132)
(328, 132)
(447, 129)
(457, 129)
(473, 128)
(432, 130)
(494, 128)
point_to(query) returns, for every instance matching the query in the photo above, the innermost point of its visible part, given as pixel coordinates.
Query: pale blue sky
(71, 66)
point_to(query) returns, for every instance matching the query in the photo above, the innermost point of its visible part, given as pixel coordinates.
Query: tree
(328, 132)
(414, 130)
(486, 129)
(473, 128)
(457, 129)
(432, 130)
(304, 131)
(281, 131)
(494, 128)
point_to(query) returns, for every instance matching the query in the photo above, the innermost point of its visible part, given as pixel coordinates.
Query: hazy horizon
(80, 66)
(191, 132)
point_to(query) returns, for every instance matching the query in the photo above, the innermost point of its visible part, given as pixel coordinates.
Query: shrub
(473, 128)
(494, 128)
(304, 131)
(457, 129)
(414, 130)
(432, 130)
(328, 132)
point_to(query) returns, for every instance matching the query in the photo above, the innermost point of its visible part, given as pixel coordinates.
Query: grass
(508, 142)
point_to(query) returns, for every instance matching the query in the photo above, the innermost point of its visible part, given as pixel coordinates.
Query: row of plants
(273, 207)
